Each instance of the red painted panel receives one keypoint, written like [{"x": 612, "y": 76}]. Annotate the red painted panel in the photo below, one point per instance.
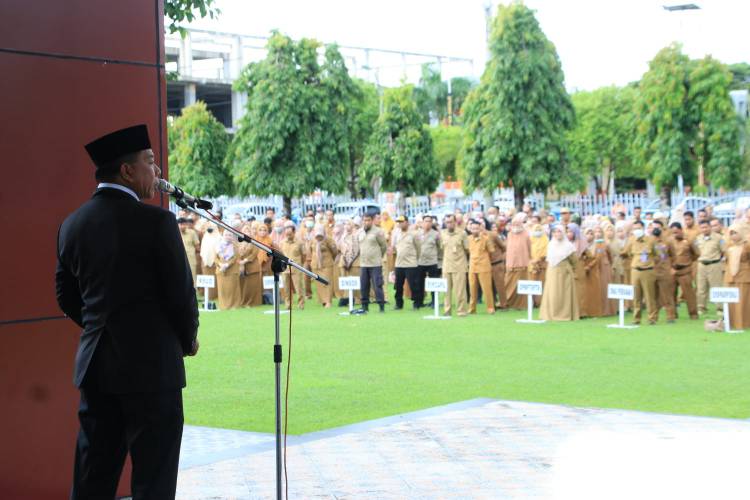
[
  {"x": 51, "y": 174},
  {"x": 111, "y": 29}
]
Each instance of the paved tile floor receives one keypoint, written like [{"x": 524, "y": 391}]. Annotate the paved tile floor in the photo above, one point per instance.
[{"x": 481, "y": 449}]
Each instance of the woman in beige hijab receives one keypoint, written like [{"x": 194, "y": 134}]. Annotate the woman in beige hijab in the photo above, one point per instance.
[
  {"x": 251, "y": 280},
  {"x": 228, "y": 272},
  {"x": 560, "y": 294},
  {"x": 592, "y": 304},
  {"x": 209, "y": 242},
  {"x": 324, "y": 252},
  {"x": 606, "y": 265},
  {"x": 738, "y": 275},
  {"x": 517, "y": 258},
  {"x": 349, "y": 247}
]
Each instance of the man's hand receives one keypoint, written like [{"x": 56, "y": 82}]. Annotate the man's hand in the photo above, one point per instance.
[{"x": 194, "y": 348}]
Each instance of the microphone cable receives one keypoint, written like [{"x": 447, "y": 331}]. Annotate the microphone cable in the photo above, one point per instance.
[{"x": 286, "y": 390}]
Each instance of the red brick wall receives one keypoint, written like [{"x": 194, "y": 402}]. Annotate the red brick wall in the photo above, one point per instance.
[{"x": 71, "y": 71}]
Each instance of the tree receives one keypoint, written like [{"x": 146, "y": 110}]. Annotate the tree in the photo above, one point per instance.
[
  {"x": 717, "y": 144},
  {"x": 179, "y": 11},
  {"x": 446, "y": 145},
  {"x": 460, "y": 88},
  {"x": 667, "y": 127},
  {"x": 740, "y": 76},
  {"x": 197, "y": 148},
  {"x": 399, "y": 152},
  {"x": 687, "y": 119},
  {"x": 289, "y": 142},
  {"x": 431, "y": 95},
  {"x": 517, "y": 118},
  {"x": 364, "y": 113},
  {"x": 600, "y": 145}
]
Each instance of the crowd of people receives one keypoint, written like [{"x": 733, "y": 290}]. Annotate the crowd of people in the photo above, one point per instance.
[{"x": 482, "y": 256}]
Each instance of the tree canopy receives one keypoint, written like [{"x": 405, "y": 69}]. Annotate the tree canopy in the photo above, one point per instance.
[
  {"x": 179, "y": 11},
  {"x": 517, "y": 118},
  {"x": 197, "y": 148}
]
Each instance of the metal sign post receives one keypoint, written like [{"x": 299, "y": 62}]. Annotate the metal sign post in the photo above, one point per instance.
[
  {"x": 726, "y": 296},
  {"x": 529, "y": 288},
  {"x": 205, "y": 281},
  {"x": 436, "y": 285},
  {"x": 350, "y": 283},
  {"x": 622, "y": 293},
  {"x": 268, "y": 284}
]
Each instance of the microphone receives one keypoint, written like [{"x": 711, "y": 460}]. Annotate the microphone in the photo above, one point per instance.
[{"x": 193, "y": 201}]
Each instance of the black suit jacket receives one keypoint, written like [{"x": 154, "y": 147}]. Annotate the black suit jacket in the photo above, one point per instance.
[{"x": 123, "y": 276}]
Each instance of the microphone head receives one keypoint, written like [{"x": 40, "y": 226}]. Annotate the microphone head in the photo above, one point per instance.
[{"x": 163, "y": 186}]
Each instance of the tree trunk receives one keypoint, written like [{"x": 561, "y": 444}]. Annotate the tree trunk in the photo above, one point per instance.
[
  {"x": 287, "y": 205},
  {"x": 519, "y": 195}
]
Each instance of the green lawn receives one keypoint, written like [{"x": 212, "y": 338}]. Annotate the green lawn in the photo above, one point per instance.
[{"x": 351, "y": 369}]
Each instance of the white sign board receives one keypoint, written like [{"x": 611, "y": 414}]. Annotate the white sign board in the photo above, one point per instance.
[
  {"x": 726, "y": 295},
  {"x": 436, "y": 285},
  {"x": 349, "y": 282},
  {"x": 526, "y": 287},
  {"x": 268, "y": 282},
  {"x": 618, "y": 291},
  {"x": 205, "y": 281}
]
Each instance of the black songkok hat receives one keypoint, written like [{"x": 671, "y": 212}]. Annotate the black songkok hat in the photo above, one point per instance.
[{"x": 117, "y": 144}]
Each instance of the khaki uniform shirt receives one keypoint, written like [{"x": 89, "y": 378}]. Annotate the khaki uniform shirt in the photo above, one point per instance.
[
  {"x": 710, "y": 248},
  {"x": 684, "y": 256},
  {"x": 328, "y": 252},
  {"x": 430, "y": 241},
  {"x": 664, "y": 257},
  {"x": 498, "y": 256},
  {"x": 480, "y": 248},
  {"x": 294, "y": 249},
  {"x": 372, "y": 247},
  {"x": 407, "y": 249},
  {"x": 642, "y": 252},
  {"x": 455, "y": 251},
  {"x": 692, "y": 232}
]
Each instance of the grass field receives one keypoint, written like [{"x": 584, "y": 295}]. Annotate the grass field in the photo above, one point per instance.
[{"x": 351, "y": 369}]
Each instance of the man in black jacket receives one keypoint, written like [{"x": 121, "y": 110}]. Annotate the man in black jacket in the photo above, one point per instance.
[{"x": 122, "y": 276}]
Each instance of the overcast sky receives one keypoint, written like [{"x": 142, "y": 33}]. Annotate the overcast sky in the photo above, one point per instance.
[{"x": 600, "y": 42}]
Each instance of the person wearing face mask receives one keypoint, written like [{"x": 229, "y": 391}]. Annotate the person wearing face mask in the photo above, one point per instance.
[
  {"x": 665, "y": 291},
  {"x": 406, "y": 248},
  {"x": 642, "y": 252},
  {"x": 293, "y": 248},
  {"x": 497, "y": 259},
  {"x": 349, "y": 258},
  {"x": 517, "y": 258},
  {"x": 560, "y": 300},
  {"x": 710, "y": 247},
  {"x": 606, "y": 265},
  {"x": 737, "y": 275},
  {"x": 324, "y": 252},
  {"x": 305, "y": 235},
  {"x": 228, "y": 272},
  {"x": 480, "y": 268},
  {"x": 538, "y": 263},
  {"x": 251, "y": 282},
  {"x": 455, "y": 266},
  {"x": 192, "y": 244},
  {"x": 592, "y": 303},
  {"x": 685, "y": 256}
]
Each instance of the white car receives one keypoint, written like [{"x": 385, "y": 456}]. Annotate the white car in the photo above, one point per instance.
[{"x": 349, "y": 210}]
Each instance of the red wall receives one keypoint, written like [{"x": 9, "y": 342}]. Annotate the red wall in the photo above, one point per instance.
[{"x": 71, "y": 71}]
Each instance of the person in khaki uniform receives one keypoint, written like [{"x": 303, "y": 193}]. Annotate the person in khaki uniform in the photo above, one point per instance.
[
  {"x": 349, "y": 259},
  {"x": 642, "y": 252},
  {"x": 665, "y": 289},
  {"x": 305, "y": 236},
  {"x": 738, "y": 276},
  {"x": 430, "y": 246},
  {"x": 324, "y": 252},
  {"x": 211, "y": 238},
  {"x": 228, "y": 272},
  {"x": 372, "y": 249},
  {"x": 684, "y": 255},
  {"x": 497, "y": 260},
  {"x": 455, "y": 265},
  {"x": 710, "y": 247},
  {"x": 293, "y": 248},
  {"x": 251, "y": 282},
  {"x": 517, "y": 258},
  {"x": 406, "y": 248},
  {"x": 480, "y": 267},
  {"x": 192, "y": 245}
]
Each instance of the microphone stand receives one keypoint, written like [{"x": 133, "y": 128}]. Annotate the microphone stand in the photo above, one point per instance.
[{"x": 279, "y": 263}]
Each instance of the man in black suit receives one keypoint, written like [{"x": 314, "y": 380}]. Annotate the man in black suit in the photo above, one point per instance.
[{"x": 122, "y": 276}]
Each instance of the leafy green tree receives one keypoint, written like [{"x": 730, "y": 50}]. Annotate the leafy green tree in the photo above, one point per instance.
[
  {"x": 399, "y": 152},
  {"x": 431, "y": 95},
  {"x": 290, "y": 140},
  {"x": 197, "y": 148},
  {"x": 516, "y": 119},
  {"x": 446, "y": 145},
  {"x": 717, "y": 144},
  {"x": 460, "y": 88},
  {"x": 740, "y": 76},
  {"x": 179, "y": 11},
  {"x": 667, "y": 126},
  {"x": 364, "y": 108},
  {"x": 600, "y": 145}
]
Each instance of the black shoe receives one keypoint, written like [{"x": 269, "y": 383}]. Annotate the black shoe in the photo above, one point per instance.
[
  {"x": 398, "y": 308},
  {"x": 343, "y": 302},
  {"x": 382, "y": 308}
]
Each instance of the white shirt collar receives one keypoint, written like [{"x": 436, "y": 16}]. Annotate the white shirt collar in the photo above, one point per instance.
[{"x": 120, "y": 187}]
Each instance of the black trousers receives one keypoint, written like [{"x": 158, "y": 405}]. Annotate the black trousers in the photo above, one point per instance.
[
  {"x": 368, "y": 275},
  {"x": 410, "y": 274},
  {"x": 426, "y": 272},
  {"x": 148, "y": 425}
]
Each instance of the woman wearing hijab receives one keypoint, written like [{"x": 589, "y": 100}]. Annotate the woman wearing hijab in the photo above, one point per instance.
[
  {"x": 251, "y": 281},
  {"x": 262, "y": 235},
  {"x": 560, "y": 295},
  {"x": 517, "y": 258},
  {"x": 228, "y": 272},
  {"x": 538, "y": 263},
  {"x": 573, "y": 232},
  {"x": 349, "y": 246},
  {"x": 606, "y": 265},
  {"x": 738, "y": 275},
  {"x": 324, "y": 252},
  {"x": 592, "y": 305},
  {"x": 209, "y": 243}
]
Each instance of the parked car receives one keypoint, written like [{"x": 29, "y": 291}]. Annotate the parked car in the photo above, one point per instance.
[
  {"x": 257, "y": 210},
  {"x": 727, "y": 211},
  {"x": 689, "y": 203},
  {"x": 349, "y": 210}
]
